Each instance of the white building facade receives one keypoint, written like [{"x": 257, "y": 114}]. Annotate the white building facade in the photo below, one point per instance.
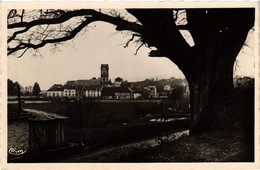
[
  {"x": 54, "y": 93},
  {"x": 68, "y": 92},
  {"x": 93, "y": 91}
]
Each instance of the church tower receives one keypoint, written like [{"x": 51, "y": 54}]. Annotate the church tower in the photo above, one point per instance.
[{"x": 104, "y": 72}]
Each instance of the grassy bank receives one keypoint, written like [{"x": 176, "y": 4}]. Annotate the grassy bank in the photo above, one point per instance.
[{"x": 212, "y": 146}]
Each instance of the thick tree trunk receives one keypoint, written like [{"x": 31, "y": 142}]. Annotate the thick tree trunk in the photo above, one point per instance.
[
  {"x": 206, "y": 89},
  {"x": 211, "y": 77},
  {"x": 218, "y": 34},
  {"x": 210, "y": 80}
]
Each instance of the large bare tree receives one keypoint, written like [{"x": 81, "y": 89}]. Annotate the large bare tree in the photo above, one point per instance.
[{"x": 218, "y": 36}]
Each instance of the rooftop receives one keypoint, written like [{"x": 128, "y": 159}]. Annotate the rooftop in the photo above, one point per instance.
[
  {"x": 89, "y": 82},
  {"x": 92, "y": 87},
  {"x": 56, "y": 87},
  {"x": 116, "y": 90}
]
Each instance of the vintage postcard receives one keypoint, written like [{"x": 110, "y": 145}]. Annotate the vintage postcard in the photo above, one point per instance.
[{"x": 120, "y": 85}]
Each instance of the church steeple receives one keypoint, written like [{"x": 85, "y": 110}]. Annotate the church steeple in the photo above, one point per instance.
[{"x": 104, "y": 72}]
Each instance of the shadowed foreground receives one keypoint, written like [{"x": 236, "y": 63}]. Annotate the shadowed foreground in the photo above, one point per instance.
[
  {"x": 233, "y": 141},
  {"x": 213, "y": 146}
]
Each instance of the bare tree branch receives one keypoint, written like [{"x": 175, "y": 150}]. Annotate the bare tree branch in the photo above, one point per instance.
[
  {"x": 61, "y": 17},
  {"x": 23, "y": 52},
  {"x": 44, "y": 42},
  {"x": 139, "y": 48},
  {"x": 133, "y": 36}
]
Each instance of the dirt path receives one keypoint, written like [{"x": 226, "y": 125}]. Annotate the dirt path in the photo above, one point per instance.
[{"x": 112, "y": 154}]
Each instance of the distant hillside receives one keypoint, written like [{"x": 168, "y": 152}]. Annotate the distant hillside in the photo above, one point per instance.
[{"x": 158, "y": 83}]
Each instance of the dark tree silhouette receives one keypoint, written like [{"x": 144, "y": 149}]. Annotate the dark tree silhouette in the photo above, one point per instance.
[
  {"x": 12, "y": 88},
  {"x": 36, "y": 89},
  {"x": 218, "y": 35},
  {"x": 177, "y": 94}
]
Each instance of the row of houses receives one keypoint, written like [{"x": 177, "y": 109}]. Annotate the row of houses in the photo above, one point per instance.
[
  {"x": 103, "y": 88},
  {"x": 92, "y": 91},
  {"x": 108, "y": 92},
  {"x": 95, "y": 89}
]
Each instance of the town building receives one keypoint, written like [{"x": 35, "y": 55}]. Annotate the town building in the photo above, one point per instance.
[
  {"x": 103, "y": 88},
  {"x": 119, "y": 93},
  {"x": 90, "y": 88},
  {"x": 153, "y": 90},
  {"x": 137, "y": 95},
  {"x": 104, "y": 73},
  {"x": 164, "y": 91},
  {"x": 92, "y": 91},
  {"x": 84, "y": 82},
  {"x": 55, "y": 91},
  {"x": 167, "y": 87},
  {"x": 70, "y": 91},
  {"x": 118, "y": 82}
]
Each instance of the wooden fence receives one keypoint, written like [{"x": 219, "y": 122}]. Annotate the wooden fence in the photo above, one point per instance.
[
  {"x": 45, "y": 135},
  {"x": 45, "y": 131}
]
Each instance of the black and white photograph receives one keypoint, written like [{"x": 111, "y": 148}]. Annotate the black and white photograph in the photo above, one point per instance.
[{"x": 132, "y": 84}]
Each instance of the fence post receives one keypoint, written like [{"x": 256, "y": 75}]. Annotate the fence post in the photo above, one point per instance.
[{"x": 19, "y": 98}]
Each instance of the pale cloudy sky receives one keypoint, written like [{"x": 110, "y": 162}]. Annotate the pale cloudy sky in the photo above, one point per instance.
[{"x": 103, "y": 45}]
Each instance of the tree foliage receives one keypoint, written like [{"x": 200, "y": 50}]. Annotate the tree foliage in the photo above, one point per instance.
[
  {"x": 12, "y": 88},
  {"x": 36, "y": 89},
  {"x": 177, "y": 93}
]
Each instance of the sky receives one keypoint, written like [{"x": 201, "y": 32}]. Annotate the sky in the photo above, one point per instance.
[{"x": 82, "y": 57}]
